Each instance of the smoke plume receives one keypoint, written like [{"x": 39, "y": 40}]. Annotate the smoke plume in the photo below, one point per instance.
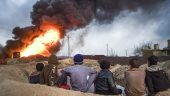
[{"x": 71, "y": 15}]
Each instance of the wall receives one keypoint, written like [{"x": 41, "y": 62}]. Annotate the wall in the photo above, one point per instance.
[{"x": 125, "y": 60}]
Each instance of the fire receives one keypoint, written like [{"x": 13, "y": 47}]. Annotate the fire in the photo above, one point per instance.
[{"x": 40, "y": 44}]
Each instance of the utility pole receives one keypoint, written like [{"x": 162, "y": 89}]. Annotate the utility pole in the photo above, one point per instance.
[
  {"x": 126, "y": 53},
  {"x": 107, "y": 48},
  {"x": 112, "y": 52},
  {"x": 68, "y": 38}
]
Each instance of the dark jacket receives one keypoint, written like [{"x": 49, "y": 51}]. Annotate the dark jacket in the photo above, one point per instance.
[
  {"x": 156, "y": 80},
  {"x": 105, "y": 83},
  {"x": 35, "y": 78},
  {"x": 62, "y": 79}
]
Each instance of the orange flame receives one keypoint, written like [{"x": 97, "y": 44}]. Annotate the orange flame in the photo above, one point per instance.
[{"x": 40, "y": 44}]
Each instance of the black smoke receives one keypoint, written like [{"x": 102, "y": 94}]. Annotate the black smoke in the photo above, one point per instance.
[
  {"x": 72, "y": 14},
  {"x": 78, "y": 13},
  {"x": 22, "y": 38}
]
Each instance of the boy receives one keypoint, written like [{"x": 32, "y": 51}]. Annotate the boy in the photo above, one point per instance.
[
  {"x": 134, "y": 80},
  {"x": 104, "y": 82},
  {"x": 35, "y": 76}
]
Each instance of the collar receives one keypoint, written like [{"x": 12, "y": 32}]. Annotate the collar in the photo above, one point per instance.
[
  {"x": 134, "y": 69},
  {"x": 78, "y": 63},
  {"x": 154, "y": 68}
]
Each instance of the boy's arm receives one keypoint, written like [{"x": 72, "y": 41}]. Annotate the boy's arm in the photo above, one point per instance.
[
  {"x": 112, "y": 84},
  {"x": 66, "y": 71},
  {"x": 42, "y": 81},
  {"x": 149, "y": 84}
]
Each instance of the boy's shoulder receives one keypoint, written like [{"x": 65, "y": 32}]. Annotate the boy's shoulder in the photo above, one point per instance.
[
  {"x": 35, "y": 74},
  {"x": 107, "y": 72}
]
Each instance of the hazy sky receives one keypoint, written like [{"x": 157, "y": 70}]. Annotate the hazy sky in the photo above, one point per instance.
[
  {"x": 128, "y": 29},
  {"x": 13, "y": 13}
]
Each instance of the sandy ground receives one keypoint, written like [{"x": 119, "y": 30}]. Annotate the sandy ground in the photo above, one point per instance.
[
  {"x": 14, "y": 82},
  {"x": 14, "y": 79},
  {"x": 14, "y": 88}
]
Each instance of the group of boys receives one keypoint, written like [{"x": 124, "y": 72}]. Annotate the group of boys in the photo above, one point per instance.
[{"x": 137, "y": 82}]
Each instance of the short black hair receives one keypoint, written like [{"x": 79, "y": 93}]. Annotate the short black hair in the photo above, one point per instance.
[
  {"x": 134, "y": 64},
  {"x": 153, "y": 60},
  {"x": 104, "y": 64},
  {"x": 39, "y": 66}
]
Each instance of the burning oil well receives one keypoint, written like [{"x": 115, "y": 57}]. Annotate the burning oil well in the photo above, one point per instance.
[{"x": 51, "y": 19}]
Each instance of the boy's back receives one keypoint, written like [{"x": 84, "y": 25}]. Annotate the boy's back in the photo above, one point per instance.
[
  {"x": 35, "y": 78},
  {"x": 78, "y": 75},
  {"x": 135, "y": 82}
]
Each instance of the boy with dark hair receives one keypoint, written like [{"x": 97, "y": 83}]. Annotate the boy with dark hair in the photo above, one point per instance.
[
  {"x": 134, "y": 63},
  {"x": 156, "y": 79},
  {"x": 105, "y": 82},
  {"x": 39, "y": 67},
  {"x": 104, "y": 64},
  {"x": 134, "y": 80},
  {"x": 35, "y": 76}
]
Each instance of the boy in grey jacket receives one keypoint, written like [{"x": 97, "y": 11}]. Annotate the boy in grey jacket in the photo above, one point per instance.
[{"x": 81, "y": 77}]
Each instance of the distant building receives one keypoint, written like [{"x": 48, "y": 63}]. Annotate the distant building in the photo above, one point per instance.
[{"x": 157, "y": 51}]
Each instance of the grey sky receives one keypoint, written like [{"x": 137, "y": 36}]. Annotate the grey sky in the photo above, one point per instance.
[
  {"x": 128, "y": 30},
  {"x": 13, "y": 13}
]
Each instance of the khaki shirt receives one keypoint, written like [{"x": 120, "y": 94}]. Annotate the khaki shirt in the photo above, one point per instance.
[
  {"x": 45, "y": 75},
  {"x": 135, "y": 82}
]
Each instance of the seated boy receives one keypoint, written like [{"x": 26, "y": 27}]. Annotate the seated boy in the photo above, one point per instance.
[
  {"x": 104, "y": 82},
  {"x": 134, "y": 80},
  {"x": 156, "y": 79},
  {"x": 35, "y": 76}
]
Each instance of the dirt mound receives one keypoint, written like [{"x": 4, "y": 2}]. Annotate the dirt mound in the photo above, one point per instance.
[
  {"x": 166, "y": 66},
  {"x": 119, "y": 73},
  {"x": 14, "y": 82},
  {"x": 16, "y": 72},
  {"x": 14, "y": 88},
  {"x": 87, "y": 62},
  {"x": 14, "y": 79},
  {"x": 164, "y": 93}
]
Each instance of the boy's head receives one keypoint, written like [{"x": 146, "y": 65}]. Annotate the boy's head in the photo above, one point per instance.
[
  {"x": 53, "y": 60},
  {"x": 134, "y": 63},
  {"x": 39, "y": 66},
  {"x": 104, "y": 64},
  {"x": 78, "y": 59},
  {"x": 152, "y": 60}
]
